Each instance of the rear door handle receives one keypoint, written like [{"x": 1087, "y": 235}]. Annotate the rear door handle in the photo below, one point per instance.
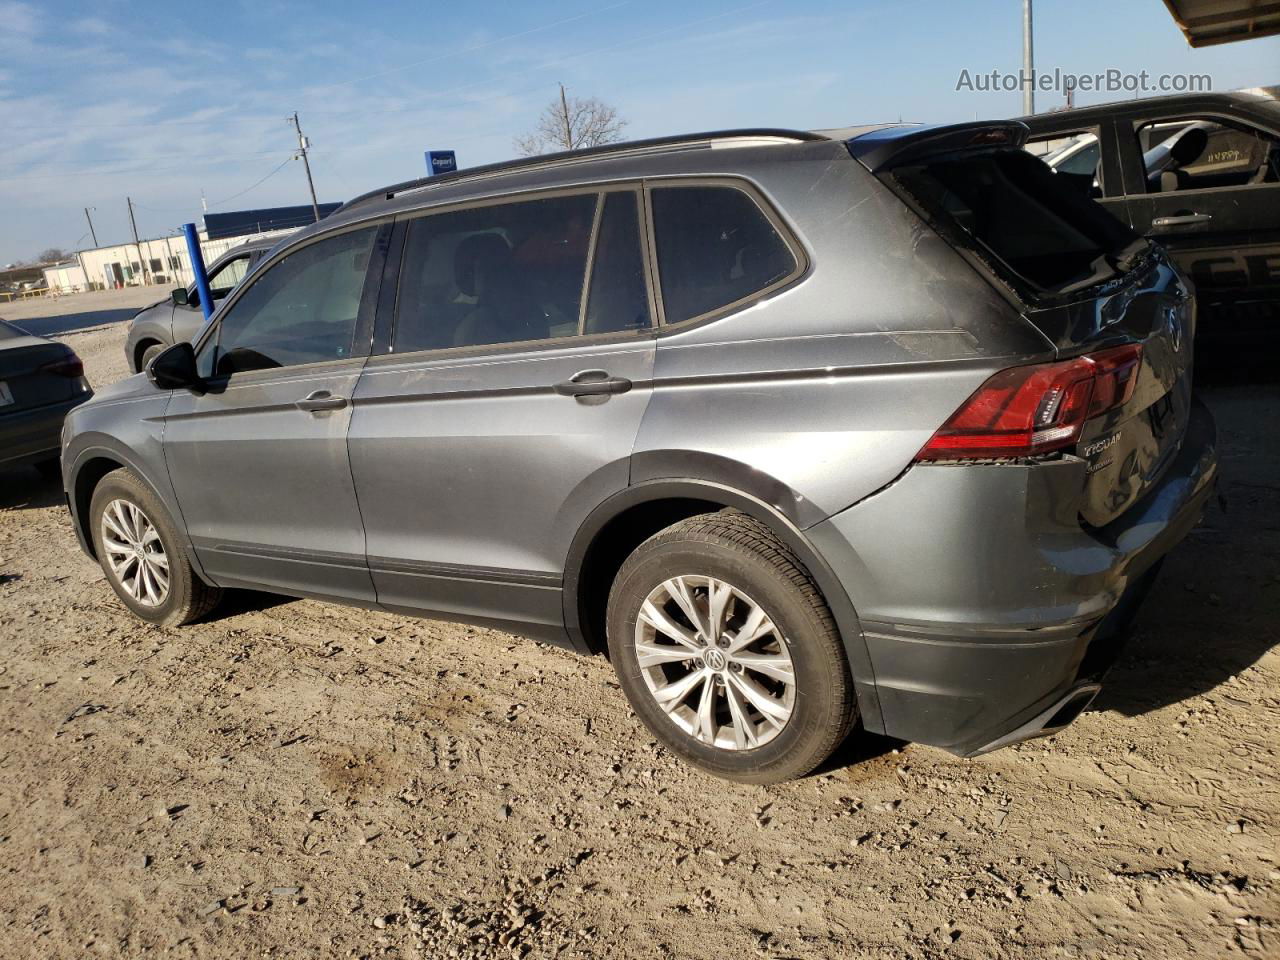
[
  {"x": 1181, "y": 220},
  {"x": 592, "y": 383},
  {"x": 320, "y": 400}
]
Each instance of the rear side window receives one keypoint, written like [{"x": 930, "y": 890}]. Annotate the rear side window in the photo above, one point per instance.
[
  {"x": 1011, "y": 208},
  {"x": 495, "y": 274},
  {"x": 618, "y": 299},
  {"x": 1075, "y": 157},
  {"x": 715, "y": 247}
]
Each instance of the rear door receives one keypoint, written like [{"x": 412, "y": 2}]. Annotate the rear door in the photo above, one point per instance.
[
  {"x": 517, "y": 367},
  {"x": 1217, "y": 211},
  {"x": 259, "y": 459}
]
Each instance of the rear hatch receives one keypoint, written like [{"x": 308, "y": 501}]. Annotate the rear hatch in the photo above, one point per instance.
[
  {"x": 35, "y": 372},
  {"x": 1079, "y": 276}
]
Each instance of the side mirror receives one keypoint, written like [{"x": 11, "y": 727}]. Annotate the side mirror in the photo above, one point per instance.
[
  {"x": 175, "y": 368},
  {"x": 179, "y": 297}
]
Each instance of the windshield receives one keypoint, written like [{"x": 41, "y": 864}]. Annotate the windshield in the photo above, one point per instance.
[{"x": 1006, "y": 206}]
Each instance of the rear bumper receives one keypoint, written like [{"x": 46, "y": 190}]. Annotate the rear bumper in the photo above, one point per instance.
[
  {"x": 986, "y": 607},
  {"x": 30, "y": 436}
]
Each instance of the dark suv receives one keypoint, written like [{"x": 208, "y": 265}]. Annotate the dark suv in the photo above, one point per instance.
[
  {"x": 800, "y": 428},
  {"x": 1199, "y": 174}
]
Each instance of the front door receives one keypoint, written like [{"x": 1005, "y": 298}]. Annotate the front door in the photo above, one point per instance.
[
  {"x": 507, "y": 406},
  {"x": 1209, "y": 191},
  {"x": 259, "y": 461}
]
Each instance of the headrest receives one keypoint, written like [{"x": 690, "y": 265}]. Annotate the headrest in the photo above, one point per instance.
[
  {"x": 487, "y": 249},
  {"x": 1189, "y": 146}
]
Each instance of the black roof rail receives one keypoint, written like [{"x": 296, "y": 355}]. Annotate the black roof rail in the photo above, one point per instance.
[{"x": 590, "y": 153}]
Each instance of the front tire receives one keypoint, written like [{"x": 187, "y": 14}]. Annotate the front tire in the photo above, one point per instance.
[
  {"x": 142, "y": 555},
  {"x": 150, "y": 354},
  {"x": 727, "y": 651}
]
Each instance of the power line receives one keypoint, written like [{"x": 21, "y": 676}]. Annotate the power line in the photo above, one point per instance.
[{"x": 218, "y": 203}]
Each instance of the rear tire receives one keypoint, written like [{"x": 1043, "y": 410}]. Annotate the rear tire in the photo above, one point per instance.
[
  {"x": 755, "y": 711},
  {"x": 142, "y": 555}
]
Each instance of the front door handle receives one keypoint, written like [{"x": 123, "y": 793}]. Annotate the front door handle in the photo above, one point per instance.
[
  {"x": 1181, "y": 220},
  {"x": 592, "y": 383},
  {"x": 319, "y": 401}
]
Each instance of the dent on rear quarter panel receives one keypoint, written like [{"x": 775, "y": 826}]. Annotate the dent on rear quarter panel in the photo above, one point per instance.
[{"x": 821, "y": 394}]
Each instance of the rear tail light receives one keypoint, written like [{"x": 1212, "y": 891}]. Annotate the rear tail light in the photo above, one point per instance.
[
  {"x": 1024, "y": 411},
  {"x": 68, "y": 366}
]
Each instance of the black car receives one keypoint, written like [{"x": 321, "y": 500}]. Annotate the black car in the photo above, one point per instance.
[
  {"x": 1200, "y": 174},
  {"x": 40, "y": 380}
]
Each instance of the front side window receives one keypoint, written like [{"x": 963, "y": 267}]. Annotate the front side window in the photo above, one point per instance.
[
  {"x": 715, "y": 247},
  {"x": 504, "y": 273},
  {"x": 302, "y": 309},
  {"x": 1197, "y": 154}
]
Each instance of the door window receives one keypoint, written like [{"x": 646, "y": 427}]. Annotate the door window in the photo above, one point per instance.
[
  {"x": 715, "y": 248},
  {"x": 223, "y": 280},
  {"x": 1197, "y": 154},
  {"x": 1075, "y": 157},
  {"x": 504, "y": 273},
  {"x": 303, "y": 309},
  {"x": 618, "y": 299}
]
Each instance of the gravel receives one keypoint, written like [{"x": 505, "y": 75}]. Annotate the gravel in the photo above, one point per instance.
[{"x": 1147, "y": 828}]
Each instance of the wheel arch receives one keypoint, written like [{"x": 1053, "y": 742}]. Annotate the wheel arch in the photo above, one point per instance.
[
  {"x": 90, "y": 465},
  {"x": 141, "y": 347},
  {"x": 626, "y": 519}
]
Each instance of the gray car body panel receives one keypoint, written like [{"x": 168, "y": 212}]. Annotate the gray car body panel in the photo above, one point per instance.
[
  {"x": 465, "y": 487},
  {"x": 166, "y": 323}
]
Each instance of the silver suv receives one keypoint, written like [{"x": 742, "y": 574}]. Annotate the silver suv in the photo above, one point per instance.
[
  {"x": 801, "y": 429},
  {"x": 160, "y": 325}
]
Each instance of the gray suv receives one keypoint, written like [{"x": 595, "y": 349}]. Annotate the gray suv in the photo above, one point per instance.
[
  {"x": 801, "y": 429},
  {"x": 180, "y": 317}
]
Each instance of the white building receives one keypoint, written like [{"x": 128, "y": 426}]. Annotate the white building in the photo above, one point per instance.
[{"x": 162, "y": 262}]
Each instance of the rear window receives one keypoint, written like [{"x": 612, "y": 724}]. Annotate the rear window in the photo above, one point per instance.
[
  {"x": 1015, "y": 213},
  {"x": 715, "y": 247}
]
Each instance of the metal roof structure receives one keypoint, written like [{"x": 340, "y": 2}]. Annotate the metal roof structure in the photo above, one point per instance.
[{"x": 1209, "y": 22}]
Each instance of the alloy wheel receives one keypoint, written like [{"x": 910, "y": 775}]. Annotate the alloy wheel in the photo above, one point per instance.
[
  {"x": 715, "y": 663},
  {"x": 135, "y": 553}
]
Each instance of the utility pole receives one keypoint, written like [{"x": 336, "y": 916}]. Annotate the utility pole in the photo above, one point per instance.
[
  {"x": 302, "y": 149},
  {"x": 564, "y": 111},
  {"x": 90, "y": 219},
  {"x": 1028, "y": 63},
  {"x": 142, "y": 261}
]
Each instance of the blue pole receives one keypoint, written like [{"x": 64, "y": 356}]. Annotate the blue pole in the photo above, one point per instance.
[{"x": 197, "y": 268}]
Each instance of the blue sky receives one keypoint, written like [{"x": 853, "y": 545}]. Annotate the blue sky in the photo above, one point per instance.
[{"x": 103, "y": 100}]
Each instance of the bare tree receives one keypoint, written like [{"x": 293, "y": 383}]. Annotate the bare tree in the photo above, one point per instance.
[
  {"x": 52, "y": 255},
  {"x": 570, "y": 123}
]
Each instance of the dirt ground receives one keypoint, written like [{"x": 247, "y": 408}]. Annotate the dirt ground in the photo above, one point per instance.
[{"x": 299, "y": 779}]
